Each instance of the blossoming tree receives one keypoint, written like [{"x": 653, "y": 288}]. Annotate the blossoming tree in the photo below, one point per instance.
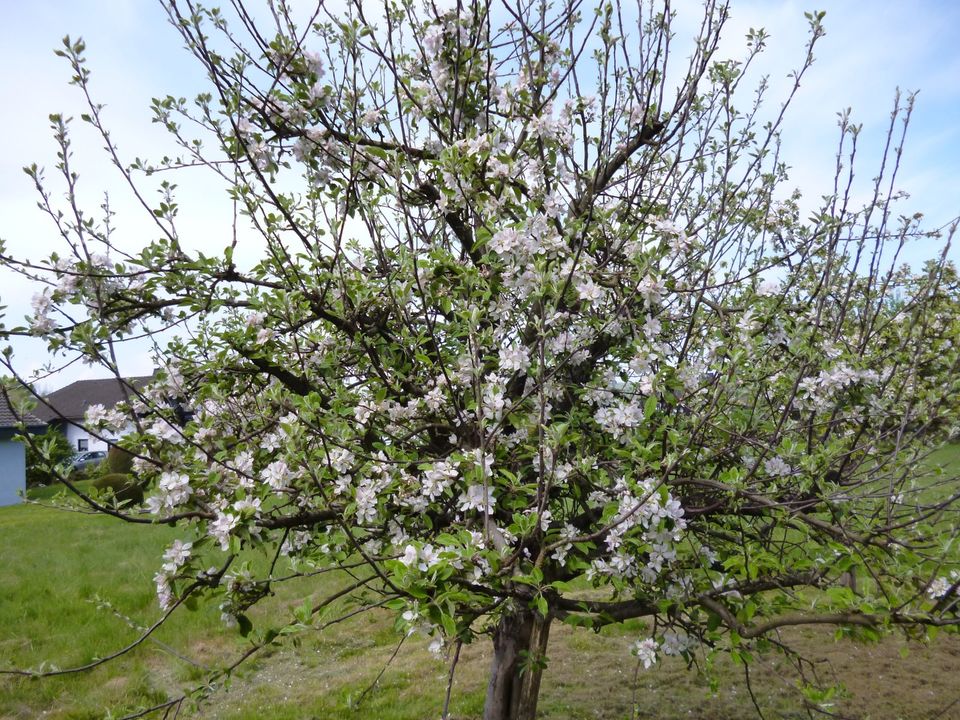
[{"x": 537, "y": 335}]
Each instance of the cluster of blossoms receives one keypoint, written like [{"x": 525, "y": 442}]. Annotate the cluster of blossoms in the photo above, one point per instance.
[
  {"x": 173, "y": 490},
  {"x": 70, "y": 279},
  {"x": 820, "y": 392},
  {"x": 100, "y": 418},
  {"x": 42, "y": 304},
  {"x": 619, "y": 418},
  {"x": 175, "y": 557},
  {"x": 659, "y": 516},
  {"x": 646, "y": 652},
  {"x": 777, "y": 467},
  {"x": 943, "y": 584},
  {"x": 673, "y": 642}
]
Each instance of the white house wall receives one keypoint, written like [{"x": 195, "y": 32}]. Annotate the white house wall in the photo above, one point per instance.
[{"x": 75, "y": 434}]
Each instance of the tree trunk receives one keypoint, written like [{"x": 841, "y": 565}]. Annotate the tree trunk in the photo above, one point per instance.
[{"x": 519, "y": 649}]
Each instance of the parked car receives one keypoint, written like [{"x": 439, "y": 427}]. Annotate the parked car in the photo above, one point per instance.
[{"x": 86, "y": 459}]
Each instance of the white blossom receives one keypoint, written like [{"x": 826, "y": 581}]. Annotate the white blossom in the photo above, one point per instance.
[
  {"x": 276, "y": 474},
  {"x": 514, "y": 357},
  {"x": 478, "y": 497},
  {"x": 646, "y": 652}
]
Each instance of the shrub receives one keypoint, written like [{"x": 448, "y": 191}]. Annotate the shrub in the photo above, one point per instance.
[
  {"x": 125, "y": 489},
  {"x": 58, "y": 450},
  {"x": 119, "y": 461}
]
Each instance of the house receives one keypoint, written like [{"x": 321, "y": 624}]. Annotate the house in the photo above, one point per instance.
[
  {"x": 13, "y": 457},
  {"x": 65, "y": 408}
]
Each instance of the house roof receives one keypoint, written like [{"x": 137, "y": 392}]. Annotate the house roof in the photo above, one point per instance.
[
  {"x": 9, "y": 417},
  {"x": 71, "y": 402}
]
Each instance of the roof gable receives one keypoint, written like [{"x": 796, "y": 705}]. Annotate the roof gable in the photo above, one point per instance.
[{"x": 71, "y": 402}]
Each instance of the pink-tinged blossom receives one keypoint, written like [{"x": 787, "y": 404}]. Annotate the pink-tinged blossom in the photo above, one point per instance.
[
  {"x": 221, "y": 526},
  {"x": 620, "y": 418},
  {"x": 434, "y": 399},
  {"x": 428, "y": 558},
  {"x": 646, "y": 652},
  {"x": 588, "y": 290},
  {"x": 342, "y": 485},
  {"x": 776, "y": 467},
  {"x": 746, "y": 325},
  {"x": 769, "y": 288},
  {"x": 651, "y": 290},
  {"x": 176, "y": 556},
  {"x": 436, "y": 648},
  {"x": 652, "y": 328},
  {"x": 560, "y": 553},
  {"x": 41, "y": 303},
  {"x": 248, "y": 506},
  {"x": 677, "y": 643},
  {"x": 552, "y": 207},
  {"x": 362, "y": 413},
  {"x": 505, "y": 241},
  {"x": 165, "y": 431},
  {"x": 667, "y": 227},
  {"x": 483, "y": 461},
  {"x": 340, "y": 459},
  {"x": 317, "y": 96},
  {"x": 423, "y": 559},
  {"x": 254, "y": 319},
  {"x": 524, "y": 282},
  {"x": 164, "y": 591},
  {"x": 295, "y": 541},
  {"x": 493, "y": 399},
  {"x": 243, "y": 463},
  {"x": 315, "y": 63},
  {"x": 172, "y": 490},
  {"x": 498, "y": 169},
  {"x": 100, "y": 261}
]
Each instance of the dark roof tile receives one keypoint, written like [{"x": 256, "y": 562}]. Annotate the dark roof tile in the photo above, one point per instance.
[
  {"x": 10, "y": 417},
  {"x": 71, "y": 402}
]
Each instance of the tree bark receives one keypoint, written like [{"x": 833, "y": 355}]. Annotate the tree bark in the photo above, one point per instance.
[{"x": 519, "y": 650}]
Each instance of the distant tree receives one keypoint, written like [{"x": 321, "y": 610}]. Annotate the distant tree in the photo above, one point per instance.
[{"x": 538, "y": 334}]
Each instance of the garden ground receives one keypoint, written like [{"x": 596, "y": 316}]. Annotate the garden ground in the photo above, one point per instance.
[{"x": 56, "y": 565}]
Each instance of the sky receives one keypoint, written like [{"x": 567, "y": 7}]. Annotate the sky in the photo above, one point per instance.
[{"x": 871, "y": 49}]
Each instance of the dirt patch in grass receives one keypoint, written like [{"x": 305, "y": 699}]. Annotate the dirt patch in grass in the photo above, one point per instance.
[{"x": 592, "y": 677}]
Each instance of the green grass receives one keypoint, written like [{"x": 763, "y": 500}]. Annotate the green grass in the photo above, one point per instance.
[
  {"x": 56, "y": 490},
  {"x": 55, "y": 566},
  {"x": 55, "y": 563}
]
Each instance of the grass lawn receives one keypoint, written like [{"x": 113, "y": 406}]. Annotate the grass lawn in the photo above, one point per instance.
[{"x": 56, "y": 563}]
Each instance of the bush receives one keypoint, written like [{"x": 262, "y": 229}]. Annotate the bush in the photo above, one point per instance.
[
  {"x": 58, "y": 450},
  {"x": 119, "y": 461},
  {"x": 125, "y": 489}
]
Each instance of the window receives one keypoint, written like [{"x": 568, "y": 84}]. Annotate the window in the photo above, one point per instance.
[{"x": 82, "y": 444}]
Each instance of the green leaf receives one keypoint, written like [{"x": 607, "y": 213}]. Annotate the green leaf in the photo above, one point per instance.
[
  {"x": 649, "y": 407},
  {"x": 244, "y": 624}
]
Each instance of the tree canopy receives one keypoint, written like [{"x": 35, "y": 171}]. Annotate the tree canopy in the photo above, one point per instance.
[{"x": 539, "y": 332}]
